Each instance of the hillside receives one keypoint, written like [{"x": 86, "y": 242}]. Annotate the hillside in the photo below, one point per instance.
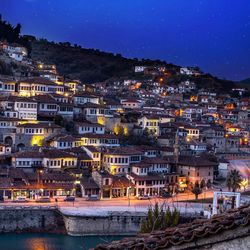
[
  {"x": 244, "y": 83},
  {"x": 88, "y": 65},
  {"x": 92, "y": 65}
]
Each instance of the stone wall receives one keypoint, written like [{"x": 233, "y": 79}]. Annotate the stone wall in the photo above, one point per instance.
[
  {"x": 113, "y": 224},
  {"x": 31, "y": 220}
]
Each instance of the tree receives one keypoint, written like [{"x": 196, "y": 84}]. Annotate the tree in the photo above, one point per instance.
[
  {"x": 209, "y": 184},
  {"x": 196, "y": 190},
  {"x": 58, "y": 120},
  {"x": 233, "y": 180},
  {"x": 202, "y": 184}
]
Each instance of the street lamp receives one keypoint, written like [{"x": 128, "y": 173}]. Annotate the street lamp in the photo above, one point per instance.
[
  {"x": 38, "y": 178},
  {"x": 129, "y": 192}
]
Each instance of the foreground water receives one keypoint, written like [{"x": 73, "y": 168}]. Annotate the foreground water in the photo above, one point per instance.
[{"x": 51, "y": 241}]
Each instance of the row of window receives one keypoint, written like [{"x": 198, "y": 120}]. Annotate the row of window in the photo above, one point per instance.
[
  {"x": 28, "y": 115},
  {"x": 121, "y": 170},
  {"x": 55, "y": 89},
  {"x": 115, "y": 159},
  {"x": 32, "y": 131},
  {"x": 152, "y": 124},
  {"x": 157, "y": 182},
  {"x": 66, "y": 109},
  {"x": 58, "y": 163},
  {"x": 49, "y": 106},
  {"x": 27, "y": 105},
  {"x": 7, "y": 86},
  {"x": 65, "y": 144},
  {"x": 91, "y": 129},
  {"x": 193, "y": 132},
  {"x": 23, "y": 163}
]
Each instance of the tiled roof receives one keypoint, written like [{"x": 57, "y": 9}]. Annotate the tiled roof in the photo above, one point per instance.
[
  {"x": 9, "y": 119},
  {"x": 99, "y": 136},
  {"x": 13, "y": 98},
  {"x": 91, "y": 105},
  {"x": 28, "y": 154},
  {"x": 38, "y": 80},
  {"x": 88, "y": 124},
  {"x": 201, "y": 160},
  {"x": 44, "y": 99},
  {"x": 65, "y": 138},
  {"x": 174, "y": 237},
  {"x": 89, "y": 183},
  {"x": 121, "y": 182},
  {"x": 149, "y": 177},
  {"x": 38, "y": 125},
  {"x": 85, "y": 94},
  {"x": 123, "y": 151},
  {"x": 56, "y": 153}
]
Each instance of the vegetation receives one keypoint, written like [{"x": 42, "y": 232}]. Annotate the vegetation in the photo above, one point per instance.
[
  {"x": 197, "y": 190},
  {"x": 159, "y": 219},
  {"x": 233, "y": 180},
  {"x": 68, "y": 125},
  {"x": 132, "y": 139},
  {"x": 88, "y": 65},
  {"x": 11, "y": 34}
]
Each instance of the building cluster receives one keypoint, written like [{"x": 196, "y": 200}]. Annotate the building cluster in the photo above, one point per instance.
[{"x": 114, "y": 139}]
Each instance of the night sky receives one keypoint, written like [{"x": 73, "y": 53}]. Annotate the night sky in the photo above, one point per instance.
[{"x": 211, "y": 34}]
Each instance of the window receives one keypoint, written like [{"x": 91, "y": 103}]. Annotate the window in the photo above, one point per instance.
[{"x": 106, "y": 181}]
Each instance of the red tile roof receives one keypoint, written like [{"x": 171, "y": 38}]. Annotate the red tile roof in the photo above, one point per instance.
[{"x": 199, "y": 229}]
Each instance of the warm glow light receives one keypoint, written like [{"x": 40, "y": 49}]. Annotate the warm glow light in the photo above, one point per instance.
[
  {"x": 28, "y": 121},
  {"x": 244, "y": 183},
  {"x": 193, "y": 98},
  {"x": 125, "y": 131},
  {"x": 101, "y": 120},
  {"x": 37, "y": 140}
]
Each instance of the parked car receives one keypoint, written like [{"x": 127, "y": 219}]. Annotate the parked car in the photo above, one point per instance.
[
  {"x": 143, "y": 197},
  {"x": 93, "y": 198},
  {"x": 21, "y": 199},
  {"x": 43, "y": 199},
  {"x": 166, "y": 195},
  {"x": 69, "y": 198}
]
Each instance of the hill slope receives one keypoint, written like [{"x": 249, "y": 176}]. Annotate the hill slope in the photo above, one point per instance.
[
  {"x": 92, "y": 65},
  {"x": 89, "y": 65}
]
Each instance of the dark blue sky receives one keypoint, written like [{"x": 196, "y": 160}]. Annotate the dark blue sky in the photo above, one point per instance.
[{"x": 212, "y": 34}]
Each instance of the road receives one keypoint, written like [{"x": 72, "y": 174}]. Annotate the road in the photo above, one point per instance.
[
  {"x": 132, "y": 204},
  {"x": 122, "y": 204}
]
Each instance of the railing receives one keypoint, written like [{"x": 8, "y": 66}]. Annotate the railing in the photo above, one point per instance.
[{"x": 19, "y": 207}]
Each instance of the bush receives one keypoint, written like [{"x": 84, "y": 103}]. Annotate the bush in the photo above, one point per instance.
[{"x": 159, "y": 219}]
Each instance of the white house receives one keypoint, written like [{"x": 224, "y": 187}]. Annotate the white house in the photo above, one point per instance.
[{"x": 87, "y": 127}]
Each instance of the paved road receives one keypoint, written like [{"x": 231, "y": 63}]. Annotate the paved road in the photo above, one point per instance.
[
  {"x": 178, "y": 201},
  {"x": 123, "y": 204}
]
